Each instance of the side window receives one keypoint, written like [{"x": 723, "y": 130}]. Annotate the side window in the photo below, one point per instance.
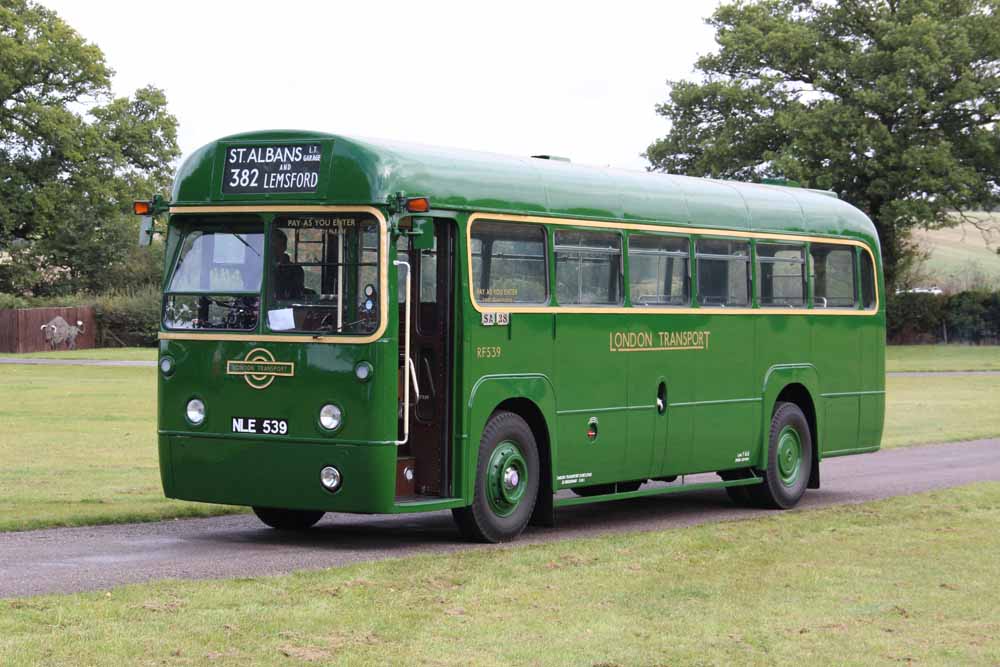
[
  {"x": 868, "y": 284},
  {"x": 658, "y": 270},
  {"x": 723, "y": 267},
  {"x": 832, "y": 275},
  {"x": 588, "y": 267},
  {"x": 508, "y": 263},
  {"x": 781, "y": 272}
]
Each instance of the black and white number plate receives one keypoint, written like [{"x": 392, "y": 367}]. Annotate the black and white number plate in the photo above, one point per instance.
[{"x": 260, "y": 425}]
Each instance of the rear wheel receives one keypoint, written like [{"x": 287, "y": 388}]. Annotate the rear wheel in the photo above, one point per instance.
[
  {"x": 789, "y": 460},
  {"x": 281, "y": 519},
  {"x": 507, "y": 480}
]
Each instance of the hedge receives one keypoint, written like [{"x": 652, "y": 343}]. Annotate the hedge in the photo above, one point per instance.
[{"x": 966, "y": 317}]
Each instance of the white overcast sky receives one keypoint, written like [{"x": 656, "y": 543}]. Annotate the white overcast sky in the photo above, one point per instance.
[{"x": 576, "y": 79}]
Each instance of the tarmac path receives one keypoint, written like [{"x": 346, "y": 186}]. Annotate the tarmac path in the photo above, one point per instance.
[{"x": 63, "y": 560}]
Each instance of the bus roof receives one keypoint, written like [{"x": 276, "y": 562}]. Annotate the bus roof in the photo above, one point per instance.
[{"x": 369, "y": 171}]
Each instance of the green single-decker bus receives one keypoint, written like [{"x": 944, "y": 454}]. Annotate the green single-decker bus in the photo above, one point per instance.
[{"x": 357, "y": 325}]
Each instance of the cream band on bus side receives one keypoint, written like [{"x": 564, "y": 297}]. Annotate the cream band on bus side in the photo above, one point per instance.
[
  {"x": 259, "y": 368},
  {"x": 657, "y": 341}
]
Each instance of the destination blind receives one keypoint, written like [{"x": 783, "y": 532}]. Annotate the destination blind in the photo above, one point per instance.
[{"x": 272, "y": 168}]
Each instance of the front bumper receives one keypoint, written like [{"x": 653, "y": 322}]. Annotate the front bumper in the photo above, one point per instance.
[{"x": 271, "y": 473}]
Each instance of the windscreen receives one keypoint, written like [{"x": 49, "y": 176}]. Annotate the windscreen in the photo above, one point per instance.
[
  {"x": 216, "y": 279},
  {"x": 323, "y": 274}
]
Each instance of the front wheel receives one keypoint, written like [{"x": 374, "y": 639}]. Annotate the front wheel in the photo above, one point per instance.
[
  {"x": 789, "y": 460},
  {"x": 507, "y": 478},
  {"x": 281, "y": 519}
]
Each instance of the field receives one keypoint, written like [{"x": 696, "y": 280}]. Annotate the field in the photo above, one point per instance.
[
  {"x": 79, "y": 444},
  {"x": 910, "y": 580},
  {"x": 962, "y": 257},
  {"x": 942, "y": 358}
]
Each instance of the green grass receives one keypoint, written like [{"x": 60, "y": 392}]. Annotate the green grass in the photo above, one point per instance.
[
  {"x": 962, "y": 257},
  {"x": 109, "y": 353},
  {"x": 910, "y": 580},
  {"x": 920, "y": 410},
  {"x": 78, "y": 446},
  {"x": 942, "y": 358}
]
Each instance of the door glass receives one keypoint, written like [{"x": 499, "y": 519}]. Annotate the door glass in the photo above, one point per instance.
[{"x": 427, "y": 317}]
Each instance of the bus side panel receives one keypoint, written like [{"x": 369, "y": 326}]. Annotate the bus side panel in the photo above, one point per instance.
[
  {"x": 726, "y": 394},
  {"x": 873, "y": 377},
  {"x": 590, "y": 382},
  {"x": 501, "y": 363},
  {"x": 782, "y": 341},
  {"x": 837, "y": 347}
]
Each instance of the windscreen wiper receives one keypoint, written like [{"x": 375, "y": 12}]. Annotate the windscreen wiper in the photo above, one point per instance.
[{"x": 243, "y": 241}]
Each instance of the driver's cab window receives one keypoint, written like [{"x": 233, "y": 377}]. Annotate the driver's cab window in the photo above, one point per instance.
[{"x": 323, "y": 274}]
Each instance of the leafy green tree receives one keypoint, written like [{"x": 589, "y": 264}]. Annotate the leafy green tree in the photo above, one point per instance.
[
  {"x": 891, "y": 103},
  {"x": 72, "y": 157}
]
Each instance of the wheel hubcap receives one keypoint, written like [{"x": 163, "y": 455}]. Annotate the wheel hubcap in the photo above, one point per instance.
[
  {"x": 506, "y": 478},
  {"x": 789, "y": 455}
]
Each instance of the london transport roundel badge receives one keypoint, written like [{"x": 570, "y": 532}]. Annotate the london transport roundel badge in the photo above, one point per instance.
[{"x": 259, "y": 368}]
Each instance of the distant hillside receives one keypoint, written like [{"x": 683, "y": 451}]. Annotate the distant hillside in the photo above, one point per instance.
[{"x": 961, "y": 257}]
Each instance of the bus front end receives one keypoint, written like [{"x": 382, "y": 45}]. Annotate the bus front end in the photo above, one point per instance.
[{"x": 277, "y": 384}]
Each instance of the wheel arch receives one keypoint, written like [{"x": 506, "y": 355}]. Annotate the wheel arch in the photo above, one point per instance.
[
  {"x": 532, "y": 398},
  {"x": 532, "y": 414},
  {"x": 798, "y": 384}
]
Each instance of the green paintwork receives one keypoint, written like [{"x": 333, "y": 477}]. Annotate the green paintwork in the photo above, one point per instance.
[
  {"x": 789, "y": 456},
  {"x": 506, "y": 478},
  {"x": 719, "y": 400}
]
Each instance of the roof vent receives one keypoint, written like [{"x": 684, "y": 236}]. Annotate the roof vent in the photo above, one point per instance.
[{"x": 557, "y": 158}]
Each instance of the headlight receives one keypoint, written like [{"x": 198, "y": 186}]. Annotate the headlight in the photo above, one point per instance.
[
  {"x": 167, "y": 365},
  {"x": 195, "y": 411},
  {"x": 330, "y": 478},
  {"x": 330, "y": 417},
  {"x": 363, "y": 371}
]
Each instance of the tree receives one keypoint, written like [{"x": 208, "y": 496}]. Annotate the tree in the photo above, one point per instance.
[
  {"x": 72, "y": 156},
  {"x": 893, "y": 104}
]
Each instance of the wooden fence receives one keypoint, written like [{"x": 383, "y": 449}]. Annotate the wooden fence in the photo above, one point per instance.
[{"x": 21, "y": 329}]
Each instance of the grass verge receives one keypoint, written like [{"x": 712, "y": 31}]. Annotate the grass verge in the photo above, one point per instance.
[
  {"x": 78, "y": 446},
  {"x": 906, "y": 580},
  {"x": 104, "y": 353},
  {"x": 942, "y": 358},
  {"x": 921, "y": 410}
]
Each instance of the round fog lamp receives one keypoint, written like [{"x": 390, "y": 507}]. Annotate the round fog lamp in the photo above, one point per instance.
[
  {"x": 166, "y": 365},
  {"x": 330, "y": 478},
  {"x": 330, "y": 417},
  {"x": 363, "y": 371},
  {"x": 195, "y": 411}
]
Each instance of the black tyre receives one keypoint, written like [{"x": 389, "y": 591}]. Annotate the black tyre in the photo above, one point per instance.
[
  {"x": 740, "y": 495},
  {"x": 288, "y": 519},
  {"x": 602, "y": 489},
  {"x": 789, "y": 460},
  {"x": 507, "y": 480}
]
